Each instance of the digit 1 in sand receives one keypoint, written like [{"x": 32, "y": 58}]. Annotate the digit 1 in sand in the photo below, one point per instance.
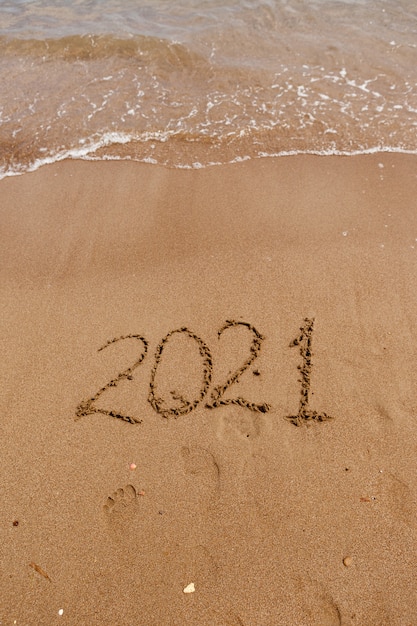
[{"x": 304, "y": 340}]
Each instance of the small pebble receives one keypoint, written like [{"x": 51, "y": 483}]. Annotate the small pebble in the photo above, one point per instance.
[
  {"x": 132, "y": 466},
  {"x": 189, "y": 588},
  {"x": 347, "y": 561},
  {"x": 16, "y": 522},
  {"x": 61, "y": 612}
]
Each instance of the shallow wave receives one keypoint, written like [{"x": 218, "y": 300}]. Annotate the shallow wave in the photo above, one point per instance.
[
  {"x": 90, "y": 47},
  {"x": 207, "y": 83}
]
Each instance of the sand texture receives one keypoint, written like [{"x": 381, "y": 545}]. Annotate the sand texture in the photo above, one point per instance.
[{"x": 208, "y": 384}]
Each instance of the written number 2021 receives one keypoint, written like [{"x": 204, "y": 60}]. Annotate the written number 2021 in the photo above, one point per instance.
[{"x": 216, "y": 397}]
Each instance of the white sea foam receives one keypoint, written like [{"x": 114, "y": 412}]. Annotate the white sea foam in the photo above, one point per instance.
[{"x": 87, "y": 154}]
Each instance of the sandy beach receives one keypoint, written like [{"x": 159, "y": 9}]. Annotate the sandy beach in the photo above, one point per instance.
[{"x": 157, "y": 463}]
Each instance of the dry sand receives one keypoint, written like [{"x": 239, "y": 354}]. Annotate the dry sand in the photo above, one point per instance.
[{"x": 273, "y": 523}]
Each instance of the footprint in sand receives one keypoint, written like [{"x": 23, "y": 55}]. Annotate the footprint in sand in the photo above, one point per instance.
[
  {"x": 123, "y": 520},
  {"x": 319, "y": 605},
  {"x": 246, "y": 425},
  {"x": 200, "y": 462},
  {"x": 121, "y": 502},
  {"x": 399, "y": 498},
  {"x": 192, "y": 563},
  {"x": 134, "y": 524},
  {"x": 326, "y": 613},
  {"x": 204, "y": 475},
  {"x": 121, "y": 510}
]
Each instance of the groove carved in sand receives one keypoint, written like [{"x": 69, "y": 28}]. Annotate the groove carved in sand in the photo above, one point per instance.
[
  {"x": 218, "y": 392},
  {"x": 181, "y": 405},
  {"x": 186, "y": 406},
  {"x": 87, "y": 407},
  {"x": 305, "y": 414}
]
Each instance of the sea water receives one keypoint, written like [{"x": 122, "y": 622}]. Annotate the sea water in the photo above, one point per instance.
[{"x": 200, "y": 82}]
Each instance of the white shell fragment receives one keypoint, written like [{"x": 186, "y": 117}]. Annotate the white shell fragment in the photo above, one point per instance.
[{"x": 189, "y": 588}]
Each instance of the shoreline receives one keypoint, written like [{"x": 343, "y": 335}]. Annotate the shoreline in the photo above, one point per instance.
[
  {"x": 103, "y": 265},
  {"x": 81, "y": 154}
]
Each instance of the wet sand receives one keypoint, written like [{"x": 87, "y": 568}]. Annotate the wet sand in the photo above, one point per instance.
[{"x": 160, "y": 428}]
